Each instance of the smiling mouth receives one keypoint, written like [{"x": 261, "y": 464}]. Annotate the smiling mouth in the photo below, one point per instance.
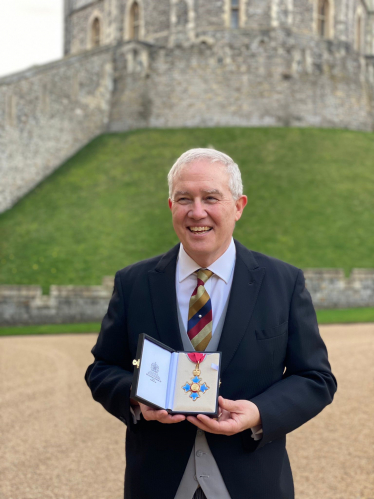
[{"x": 199, "y": 230}]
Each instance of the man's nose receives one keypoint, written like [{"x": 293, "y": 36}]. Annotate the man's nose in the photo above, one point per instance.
[{"x": 197, "y": 211}]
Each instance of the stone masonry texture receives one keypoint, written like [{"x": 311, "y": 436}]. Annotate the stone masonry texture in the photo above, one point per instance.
[
  {"x": 189, "y": 68},
  {"x": 47, "y": 114},
  {"x": 25, "y": 305}
]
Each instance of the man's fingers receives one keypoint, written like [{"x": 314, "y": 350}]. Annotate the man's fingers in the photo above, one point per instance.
[
  {"x": 168, "y": 419},
  {"x": 198, "y": 423},
  {"x": 178, "y": 418},
  {"x": 147, "y": 412},
  {"x": 152, "y": 414},
  {"x": 162, "y": 416},
  {"x": 225, "y": 427},
  {"x": 229, "y": 405},
  {"x": 210, "y": 425}
]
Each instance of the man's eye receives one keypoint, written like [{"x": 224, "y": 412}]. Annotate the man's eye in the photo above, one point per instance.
[{"x": 211, "y": 198}]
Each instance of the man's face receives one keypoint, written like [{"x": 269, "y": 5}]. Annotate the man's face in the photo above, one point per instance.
[{"x": 204, "y": 211}]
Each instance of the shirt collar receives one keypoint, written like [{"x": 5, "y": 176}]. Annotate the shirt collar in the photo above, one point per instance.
[{"x": 222, "y": 267}]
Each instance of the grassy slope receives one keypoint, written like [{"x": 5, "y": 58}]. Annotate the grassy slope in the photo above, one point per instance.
[{"x": 310, "y": 194}]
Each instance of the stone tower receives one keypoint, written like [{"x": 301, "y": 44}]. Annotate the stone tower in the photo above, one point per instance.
[
  {"x": 232, "y": 62},
  {"x": 186, "y": 63},
  {"x": 173, "y": 22}
]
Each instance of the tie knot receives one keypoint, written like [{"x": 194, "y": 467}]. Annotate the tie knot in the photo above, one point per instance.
[{"x": 204, "y": 274}]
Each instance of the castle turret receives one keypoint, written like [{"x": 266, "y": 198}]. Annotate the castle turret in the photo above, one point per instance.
[{"x": 90, "y": 23}]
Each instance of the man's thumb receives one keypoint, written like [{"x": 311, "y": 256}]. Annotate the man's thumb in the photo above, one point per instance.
[{"x": 229, "y": 405}]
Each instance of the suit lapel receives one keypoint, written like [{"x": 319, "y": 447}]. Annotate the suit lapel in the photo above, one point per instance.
[
  {"x": 164, "y": 299},
  {"x": 246, "y": 285}
]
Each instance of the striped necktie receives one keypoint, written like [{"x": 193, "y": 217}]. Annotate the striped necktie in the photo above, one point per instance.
[{"x": 199, "y": 328}]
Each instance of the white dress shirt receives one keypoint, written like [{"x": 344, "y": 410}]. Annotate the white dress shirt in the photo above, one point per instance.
[{"x": 218, "y": 286}]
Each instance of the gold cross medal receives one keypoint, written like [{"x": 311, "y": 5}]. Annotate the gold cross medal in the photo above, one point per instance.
[{"x": 195, "y": 387}]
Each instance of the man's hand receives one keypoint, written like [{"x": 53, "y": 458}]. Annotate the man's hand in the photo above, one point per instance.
[
  {"x": 237, "y": 416},
  {"x": 160, "y": 415}
]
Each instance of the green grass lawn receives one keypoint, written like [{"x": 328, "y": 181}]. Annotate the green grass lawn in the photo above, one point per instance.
[
  {"x": 91, "y": 327},
  {"x": 344, "y": 316},
  {"x": 310, "y": 191}
]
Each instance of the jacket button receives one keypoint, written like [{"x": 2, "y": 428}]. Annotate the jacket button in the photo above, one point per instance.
[{"x": 199, "y": 453}]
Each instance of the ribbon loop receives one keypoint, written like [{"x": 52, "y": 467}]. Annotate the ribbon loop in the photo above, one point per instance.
[{"x": 196, "y": 357}]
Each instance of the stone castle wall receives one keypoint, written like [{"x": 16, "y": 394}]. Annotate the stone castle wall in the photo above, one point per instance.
[
  {"x": 189, "y": 70},
  {"x": 25, "y": 305},
  {"x": 47, "y": 114},
  {"x": 79, "y": 27},
  {"x": 249, "y": 78},
  {"x": 330, "y": 288},
  {"x": 164, "y": 21},
  {"x": 22, "y": 305}
]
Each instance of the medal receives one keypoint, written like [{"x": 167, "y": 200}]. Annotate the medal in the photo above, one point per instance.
[{"x": 195, "y": 387}]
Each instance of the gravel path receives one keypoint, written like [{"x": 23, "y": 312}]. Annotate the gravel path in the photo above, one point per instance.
[{"x": 57, "y": 443}]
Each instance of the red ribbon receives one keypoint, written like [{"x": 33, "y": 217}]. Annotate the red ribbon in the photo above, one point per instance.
[{"x": 196, "y": 357}]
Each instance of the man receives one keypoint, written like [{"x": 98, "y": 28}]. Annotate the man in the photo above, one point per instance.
[{"x": 254, "y": 309}]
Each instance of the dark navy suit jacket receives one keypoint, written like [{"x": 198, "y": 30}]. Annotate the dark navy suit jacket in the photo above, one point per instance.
[{"x": 272, "y": 354}]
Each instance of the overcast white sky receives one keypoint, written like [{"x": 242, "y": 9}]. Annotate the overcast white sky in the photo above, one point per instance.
[{"x": 30, "y": 33}]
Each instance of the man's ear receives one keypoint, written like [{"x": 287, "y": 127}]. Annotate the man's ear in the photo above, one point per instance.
[
  {"x": 170, "y": 203},
  {"x": 240, "y": 204}
]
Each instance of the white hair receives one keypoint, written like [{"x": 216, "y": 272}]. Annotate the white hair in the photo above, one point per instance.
[{"x": 212, "y": 156}]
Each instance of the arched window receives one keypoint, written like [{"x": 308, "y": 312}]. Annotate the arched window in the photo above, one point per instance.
[
  {"x": 134, "y": 21},
  {"x": 95, "y": 33},
  {"x": 234, "y": 14},
  {"x": 323, "y": 18}
]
